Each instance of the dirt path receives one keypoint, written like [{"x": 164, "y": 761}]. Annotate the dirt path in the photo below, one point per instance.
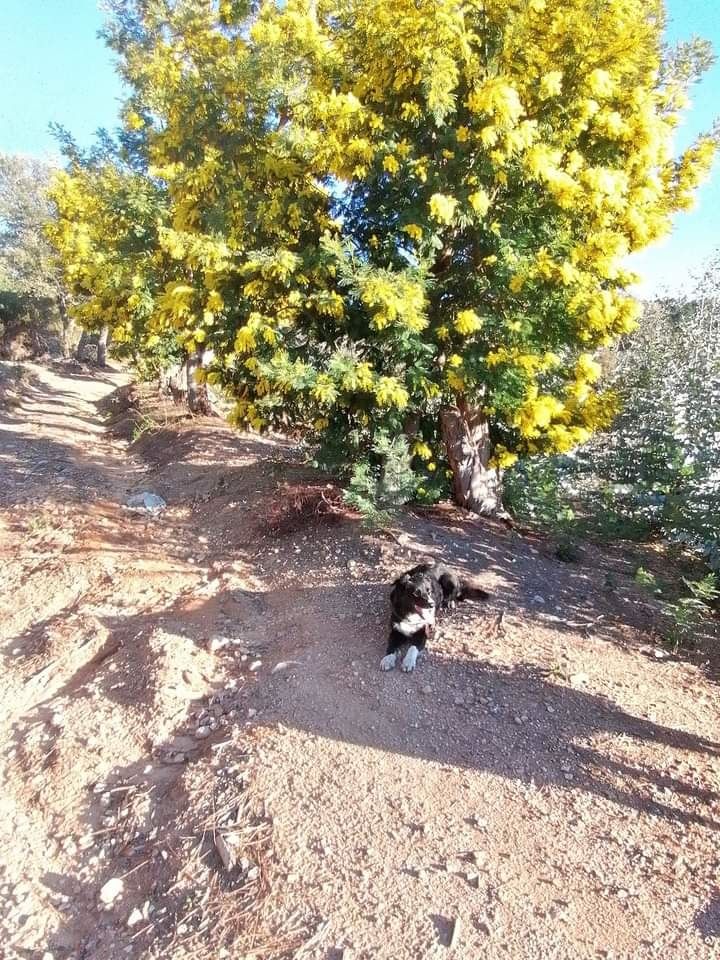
[{"x": 543, "y": 786}]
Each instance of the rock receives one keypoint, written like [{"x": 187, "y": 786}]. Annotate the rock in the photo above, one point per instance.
[
  {"x": 255, "y": 666},
  {"x": 538, "y": 599},
  {"x": 136, "y": 917},
  {"x": 455, "y": 935},
  {"x": 283, "y": 665},
  {"x": 146, "y": 501},
  {"x": 427, "y": 689},
  {"x": 225, "y": 851},
  {"x": 459, "y": 701},
  {"x": 111, "y": 890},
  {"x": 203, "y": 732},
  {"x": 218, "y": 643}
]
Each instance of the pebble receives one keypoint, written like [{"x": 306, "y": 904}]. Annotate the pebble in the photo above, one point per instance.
[
  {"x": 111, "y": 890},
  {"x": 255, "y": 666},
  {"x": 427, "y": 689},
  {"x": 136, "y": 916},
  {"x": 202, "y": 732}
]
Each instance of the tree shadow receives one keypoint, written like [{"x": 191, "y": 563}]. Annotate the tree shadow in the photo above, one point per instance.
[{"x": 707, "y": 920}]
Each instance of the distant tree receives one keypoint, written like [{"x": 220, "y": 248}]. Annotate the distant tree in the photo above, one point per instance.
[
  {"x": 665, "y": 444},
  {"x": 29, "y": 266}
]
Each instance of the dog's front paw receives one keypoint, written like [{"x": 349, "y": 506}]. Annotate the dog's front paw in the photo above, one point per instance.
[
  {"x": 388, "y": 662},
  {"x": 410, "y": 661}
]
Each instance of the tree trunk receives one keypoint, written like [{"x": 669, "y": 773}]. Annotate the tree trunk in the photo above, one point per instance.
[
  {"x": 197, "y": 393},
  {"x": 102, "y": 346},
  {"x": 173, "y": 381},
  {"x": 476, "y": 485},
  {"x": 82, "y": 345},
  {"x": 67, "y": 325}
]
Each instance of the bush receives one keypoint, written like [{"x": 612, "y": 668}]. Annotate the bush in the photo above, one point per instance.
[{"x": 383, "y": 481}]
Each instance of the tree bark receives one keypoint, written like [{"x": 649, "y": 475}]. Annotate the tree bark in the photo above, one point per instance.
[
  {"x": 197, "y": 393},
  {"x": 82, "y": 345},
  {"x": 102, "y": 346},
  {"x": 67, "y": 325},
  {"x": 477, "y": 486}
]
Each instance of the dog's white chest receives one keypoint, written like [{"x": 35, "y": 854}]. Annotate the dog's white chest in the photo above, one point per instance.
[{"x": 412, "y": 622}]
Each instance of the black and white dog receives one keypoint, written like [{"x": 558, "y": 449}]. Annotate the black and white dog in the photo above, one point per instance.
[{"x": 415, "y": 600}]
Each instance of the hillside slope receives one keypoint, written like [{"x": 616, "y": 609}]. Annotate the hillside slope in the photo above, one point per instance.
[{"x": 189, "y": 686}]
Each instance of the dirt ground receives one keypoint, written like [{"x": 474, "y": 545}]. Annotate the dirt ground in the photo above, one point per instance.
[{"x": 201, "y": 757}]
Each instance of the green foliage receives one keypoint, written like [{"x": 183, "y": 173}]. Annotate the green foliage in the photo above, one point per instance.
[
  {"x": 33, "y": 295},
  {"x": 645, "y": 578},
  {"x": 383, "y": 481},
  {"x": 373, "y": 214},
  {"x": 686, "y": 615}
]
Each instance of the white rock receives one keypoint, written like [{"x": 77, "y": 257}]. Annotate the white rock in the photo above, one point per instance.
[
  {"x": 146, "y": 501},
  {"x": 111, "y": 890},
  {"x": 136, "y": 916},
  {"x": 202, "y": 732}
]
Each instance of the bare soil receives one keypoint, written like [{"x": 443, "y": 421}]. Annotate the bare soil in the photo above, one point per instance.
[{"x": 201, "y": 758}]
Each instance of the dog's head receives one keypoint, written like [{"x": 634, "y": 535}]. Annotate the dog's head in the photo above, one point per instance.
[{"x": 420, "y": 594}]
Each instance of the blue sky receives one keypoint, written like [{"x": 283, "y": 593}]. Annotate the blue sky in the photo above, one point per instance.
[{"x": 53, "y": 67}]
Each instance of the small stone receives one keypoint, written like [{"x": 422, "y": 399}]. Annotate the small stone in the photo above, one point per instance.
[
  {"x": 226, "y": 851},
  {"x": 549, "y": 708},
  {"x": 111, "y": 890},
  {"x": 252, "y": 712},
  {"x": 459, "y": 701},
  {"x": 427, "y": 689},
  {"x": 518, "y": 720},
  {"x": 203, "y": 732},
  {"x": 255, "y": 666},
  {"x": 283, "y": 665},
  {"x": 136, "y": 917},
  {"x": 217, "y": 643},
  {"x": 146, "y": 501},
  {"x": 538, "y": 599},
  {"x": 622, "y": 894}
]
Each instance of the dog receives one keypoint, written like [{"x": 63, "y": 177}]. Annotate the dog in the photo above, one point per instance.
[{"x": 415, "y": 600}]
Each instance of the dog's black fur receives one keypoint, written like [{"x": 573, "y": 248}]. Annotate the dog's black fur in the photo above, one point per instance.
[{"x": 415, "y": 599}]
